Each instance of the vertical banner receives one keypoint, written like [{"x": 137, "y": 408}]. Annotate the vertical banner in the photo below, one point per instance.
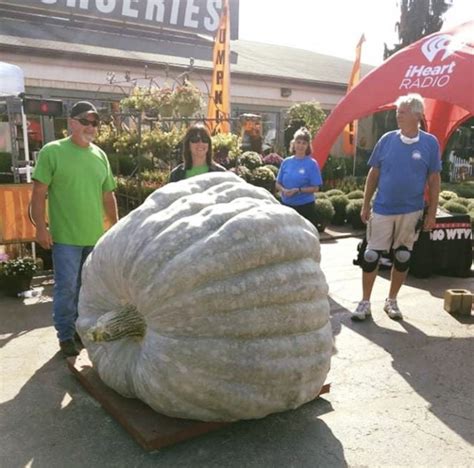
[
  {"x": 219, "y": 100},
  {"x": 350, "y": 130}
]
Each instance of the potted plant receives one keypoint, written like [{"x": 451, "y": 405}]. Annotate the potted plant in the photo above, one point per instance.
[
  {"x": 324, "y": 213},
  {"x": 187, "y": 99},
  {"x": 353, "y": 209},
  {"x": 16, "y": 274}
]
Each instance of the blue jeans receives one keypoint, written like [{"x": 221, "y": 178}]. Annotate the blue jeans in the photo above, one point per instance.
[{"x": 67, "y": 262}]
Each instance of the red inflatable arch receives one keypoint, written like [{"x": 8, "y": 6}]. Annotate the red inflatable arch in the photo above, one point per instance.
[{"x": 440, "y": 67}]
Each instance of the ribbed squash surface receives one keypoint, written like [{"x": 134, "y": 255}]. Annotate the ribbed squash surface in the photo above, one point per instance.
[{"x": 225, "y": 289}]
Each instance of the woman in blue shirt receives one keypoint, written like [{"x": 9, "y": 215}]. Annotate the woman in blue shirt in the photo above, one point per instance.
[{"x": 299, "y": 177}]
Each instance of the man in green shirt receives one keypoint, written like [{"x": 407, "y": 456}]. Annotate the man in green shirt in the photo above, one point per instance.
[{"x": 76, "y": 176}]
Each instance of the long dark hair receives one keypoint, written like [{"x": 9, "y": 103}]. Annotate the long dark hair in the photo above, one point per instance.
[{"x": 203, "y": 132}]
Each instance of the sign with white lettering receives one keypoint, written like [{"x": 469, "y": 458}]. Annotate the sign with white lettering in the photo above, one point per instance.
[{"x": 199, "y": 16}]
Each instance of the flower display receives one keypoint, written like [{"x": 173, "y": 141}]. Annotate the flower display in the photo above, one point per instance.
[
  {"x": 273, "y": 159},
  {"x": 23, "y": 266}
]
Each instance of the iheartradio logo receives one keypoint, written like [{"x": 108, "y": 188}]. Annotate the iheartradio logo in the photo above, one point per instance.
[{"x": 432, "y": 47}]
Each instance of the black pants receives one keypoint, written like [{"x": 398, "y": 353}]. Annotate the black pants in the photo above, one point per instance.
[{"x": 308, "y": 211}]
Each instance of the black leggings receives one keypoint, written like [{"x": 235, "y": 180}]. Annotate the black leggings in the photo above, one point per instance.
[{"x": 308, "y": 211}]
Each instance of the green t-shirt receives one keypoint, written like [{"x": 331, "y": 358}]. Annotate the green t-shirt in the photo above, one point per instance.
[
  {"x": 196, "y": 170},
  {"x": 76, "y": 178}
]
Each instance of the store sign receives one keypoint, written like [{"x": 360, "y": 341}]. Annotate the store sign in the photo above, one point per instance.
[{"x": 200, "y": 16}]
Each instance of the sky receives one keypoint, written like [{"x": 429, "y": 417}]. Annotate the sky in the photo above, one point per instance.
[{"x": 332, "y": 27}]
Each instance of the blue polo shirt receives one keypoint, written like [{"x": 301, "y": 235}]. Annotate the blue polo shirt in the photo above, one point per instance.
[
  {"x": 404, "y": 171},
  {"x": 299, "y": 173}
]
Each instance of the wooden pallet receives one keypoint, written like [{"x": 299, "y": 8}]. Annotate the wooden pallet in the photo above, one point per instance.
[{"x": 150, "y": 429}]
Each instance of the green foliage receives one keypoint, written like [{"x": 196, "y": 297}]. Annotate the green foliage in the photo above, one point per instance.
[
  {"x": 442, "y": 201},
  {"x": 308, "y": 112},
  {"x": 463, "y": 201},
  {"x": 418, "y": 19},
  {"x": 353, "y": 209},
  {"x": 339, "y": 202},
  {"x": 453, "y": 207},
  {"x": 333, "y": 192},
  {"x": 243, "y": 172},
  {"x": 250, "y": 159},
  {"x": 23, "y": 266},
  {"x": 162, "y": 144},
  {"x": 127, "y": 164},
  {"x": 335, "y": 168},
  {"x": 183, "y": 101},
  {"x": 462, "y": 189},
  {"x": 470, "y": 205},
  {"x": 322, "y": 195},
  {"x": 274, "y": 169},
  {"x": 263, "y": 177},
  {"x": 226, "y": 147},
  {"x": 448, "y": 195},
  {"x": 355, "y": 194},
  {"x": 324, "y": 212}
]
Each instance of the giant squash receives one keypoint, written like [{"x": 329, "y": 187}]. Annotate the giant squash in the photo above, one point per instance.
[{"x": 208, "y": 302}]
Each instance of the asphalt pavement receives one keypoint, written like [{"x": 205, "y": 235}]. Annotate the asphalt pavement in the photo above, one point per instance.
[{"x": 402, "y": 392}]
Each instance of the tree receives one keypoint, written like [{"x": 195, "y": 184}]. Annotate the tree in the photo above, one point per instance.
[{"x": 418, "y": 18}]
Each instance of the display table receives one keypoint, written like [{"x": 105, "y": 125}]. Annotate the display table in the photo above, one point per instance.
[{"x": 446, "y": 250}]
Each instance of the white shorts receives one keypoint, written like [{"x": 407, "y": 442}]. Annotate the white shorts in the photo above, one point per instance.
[{"x": 387, "y": 231}]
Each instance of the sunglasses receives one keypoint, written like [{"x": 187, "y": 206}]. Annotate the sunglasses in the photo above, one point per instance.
[
  {"x": 86, "y": 123},
  {"x": 199, "y": 138}
]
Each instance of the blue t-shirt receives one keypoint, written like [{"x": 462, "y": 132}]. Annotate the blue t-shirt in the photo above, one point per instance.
[
  {"x": 404, "y": 170},
  {"x": 299, "y": 173}
]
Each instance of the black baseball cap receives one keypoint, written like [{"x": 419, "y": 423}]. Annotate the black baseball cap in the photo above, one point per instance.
[{"x": 83, "y": 108}]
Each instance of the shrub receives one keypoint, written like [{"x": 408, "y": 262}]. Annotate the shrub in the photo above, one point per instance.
[
  {"x": 463, "y": 189},
  {"x": 463, "y": 201},
  {"x": 349, "y": 184},
  {"x": 453, "y": 207},
  {"x": 470, "y": 205},
  {"x": 243, "y": 172},
  {"x": 331, "y": 193},
  {"x": 273, "y": 168},
  {"x": 442, "y": 201},
  {"x": 273, "y": 159},
  {"x": 321, "y": 195},
  {"x": 353, "y": 213},
  {"x": 250, "y": 159},
  {"x": 263, "y": 177},
  {"x": 226, "y": 147},
  {"x": 355, "y": 195},
  {"x": 448, "y": 194},
  {"x": 339, "y": 202},
  {"x": 324, "y": 212}
]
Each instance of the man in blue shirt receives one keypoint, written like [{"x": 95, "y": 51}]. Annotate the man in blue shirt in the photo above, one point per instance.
[{"x": 403, "y": 162}]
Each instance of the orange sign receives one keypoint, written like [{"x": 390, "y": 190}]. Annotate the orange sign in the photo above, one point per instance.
[{"x": 219, "y": 100}]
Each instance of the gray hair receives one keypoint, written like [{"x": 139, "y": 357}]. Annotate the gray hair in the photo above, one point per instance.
[{"x": 414, "y": 101}]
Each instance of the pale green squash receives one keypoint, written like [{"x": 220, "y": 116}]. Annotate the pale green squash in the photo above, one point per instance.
[{"x": 227, "y": 304}]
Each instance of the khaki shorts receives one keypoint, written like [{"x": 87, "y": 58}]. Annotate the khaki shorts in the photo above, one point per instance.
[{"x": 386, "y": 231}]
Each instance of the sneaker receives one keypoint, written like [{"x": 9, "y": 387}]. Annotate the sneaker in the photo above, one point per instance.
[
  {"x": 68, "y": 348},
  {"x": 392, "y": 310},
  {"x": 362, "y": 311}
]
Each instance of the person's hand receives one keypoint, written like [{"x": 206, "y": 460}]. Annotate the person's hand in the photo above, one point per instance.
[
  {"x": 290, "y": 192},
  {"x": 429, "y": 223},
  {"x": 43, "y": 237},
  {"x": 365, "y": 214}
]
